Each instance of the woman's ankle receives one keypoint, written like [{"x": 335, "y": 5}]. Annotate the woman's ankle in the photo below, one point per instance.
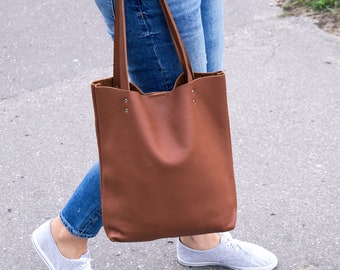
[
  {"x": 70, "y": 246},
  {"x": 202, "y": 241}
]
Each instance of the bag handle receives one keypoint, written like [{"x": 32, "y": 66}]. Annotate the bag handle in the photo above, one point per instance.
[{"x": 120, "y": 74}]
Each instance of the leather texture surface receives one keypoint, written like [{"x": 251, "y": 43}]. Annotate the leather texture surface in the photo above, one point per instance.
[{"x": 165, "y": 157}]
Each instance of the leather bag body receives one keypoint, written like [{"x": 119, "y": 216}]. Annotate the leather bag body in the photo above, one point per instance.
[{"x": 166, "y": 163}]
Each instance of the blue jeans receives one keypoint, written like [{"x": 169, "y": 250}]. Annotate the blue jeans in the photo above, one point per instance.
[{"x": 153, "y": 66}]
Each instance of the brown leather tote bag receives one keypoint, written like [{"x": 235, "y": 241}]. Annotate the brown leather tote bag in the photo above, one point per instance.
[{"x": 165, "y": 158}]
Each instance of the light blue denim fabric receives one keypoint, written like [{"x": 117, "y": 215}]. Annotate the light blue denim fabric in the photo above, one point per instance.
[{"x": 153, "y": 66}]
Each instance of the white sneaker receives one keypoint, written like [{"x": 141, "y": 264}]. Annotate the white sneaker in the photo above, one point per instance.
[
  {"x": 231, "y": 253},
  {"x": 44, "y": 244}
]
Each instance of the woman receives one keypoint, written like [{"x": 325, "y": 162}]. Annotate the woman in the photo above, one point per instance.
[{"x": 62, "y": 242}]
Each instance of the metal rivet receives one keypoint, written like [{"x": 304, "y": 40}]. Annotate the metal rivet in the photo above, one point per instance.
[
  {"x": 126, "y": 110},
  {"x": 194, "y": 101},
  {"x": 126, "y": 100},
  {"x": 193, "y": 91}
]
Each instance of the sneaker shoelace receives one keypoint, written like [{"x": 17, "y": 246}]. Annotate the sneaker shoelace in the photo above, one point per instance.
[
  {"x": 231, "y": 243},
  {"x": 86, "y": 265}
]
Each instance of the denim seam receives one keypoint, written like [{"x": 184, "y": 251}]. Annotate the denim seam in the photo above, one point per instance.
[
  {"x": 148, "y": 28},
  {"x": 112, "y": 6},
  {"x": 79, "y": 233}
]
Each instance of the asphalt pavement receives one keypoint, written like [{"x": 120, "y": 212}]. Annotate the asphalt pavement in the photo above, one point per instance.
[{"x": 283, "y": 77}]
